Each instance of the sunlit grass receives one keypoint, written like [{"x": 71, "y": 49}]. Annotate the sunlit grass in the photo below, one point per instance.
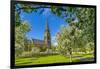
[
  {"x": 41, "y": 60},
  {"x": 50, "y": 59}
]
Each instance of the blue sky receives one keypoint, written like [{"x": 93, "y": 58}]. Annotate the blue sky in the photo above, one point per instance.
[{"x": 38, "y": 21}]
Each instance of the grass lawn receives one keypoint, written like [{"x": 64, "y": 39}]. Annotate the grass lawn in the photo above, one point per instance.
[{"x": 49, "y": 59}]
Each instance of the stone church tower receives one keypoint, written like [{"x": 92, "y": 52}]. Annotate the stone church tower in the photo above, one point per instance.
[{"x": 47, "y": 36}]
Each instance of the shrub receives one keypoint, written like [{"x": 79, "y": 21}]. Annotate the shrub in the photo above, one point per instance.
[
  {"x": 26, "y": 54},
  {"x": 18, "y": 51},
  {"x": 34, "y": 52}
]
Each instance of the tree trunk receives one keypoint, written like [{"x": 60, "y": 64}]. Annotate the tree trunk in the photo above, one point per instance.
[{"x": 70, "y": 56}]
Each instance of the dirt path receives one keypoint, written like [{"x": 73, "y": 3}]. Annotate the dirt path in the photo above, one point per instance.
[
  {"x": 83, "y": 59},
  {"x": 87, "y": 59}
]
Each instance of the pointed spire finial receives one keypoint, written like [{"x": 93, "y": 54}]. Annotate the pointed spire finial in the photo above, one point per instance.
[{"x": 47, "y": 23}]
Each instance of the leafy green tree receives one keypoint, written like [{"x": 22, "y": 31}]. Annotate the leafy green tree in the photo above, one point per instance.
[
  {"x": 90, "y": 47},
  {"x": 69, "y": 38},
  {"x": 53, "y": 48},
  {"x": 28, "y": 44},
  {"x": 20, "y": 36},
  {"x": 86, "y": 17}
]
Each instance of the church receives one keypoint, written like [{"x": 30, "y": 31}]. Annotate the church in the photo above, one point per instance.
[{"x": 47, "y": 38}]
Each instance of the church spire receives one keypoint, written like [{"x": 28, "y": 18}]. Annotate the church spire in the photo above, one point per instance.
[
  {"x": 47, "y": 27},
  {"x": 47, "y": 36}
]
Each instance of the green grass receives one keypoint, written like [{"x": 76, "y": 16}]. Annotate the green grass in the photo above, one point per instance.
[
  {"x": 41, "y": 60},
  {"x": 49, "y": 59}
]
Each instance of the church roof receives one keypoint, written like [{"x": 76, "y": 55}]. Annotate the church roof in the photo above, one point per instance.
[{"x": 37, "y": 41}]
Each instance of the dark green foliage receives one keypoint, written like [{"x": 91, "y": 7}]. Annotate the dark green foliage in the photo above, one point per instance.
[{"x": 43, "y": 48}]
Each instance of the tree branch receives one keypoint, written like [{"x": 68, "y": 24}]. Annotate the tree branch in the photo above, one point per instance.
[
  {"x": 31, "y": 8},
  {"x": 39, "y": 8}
]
